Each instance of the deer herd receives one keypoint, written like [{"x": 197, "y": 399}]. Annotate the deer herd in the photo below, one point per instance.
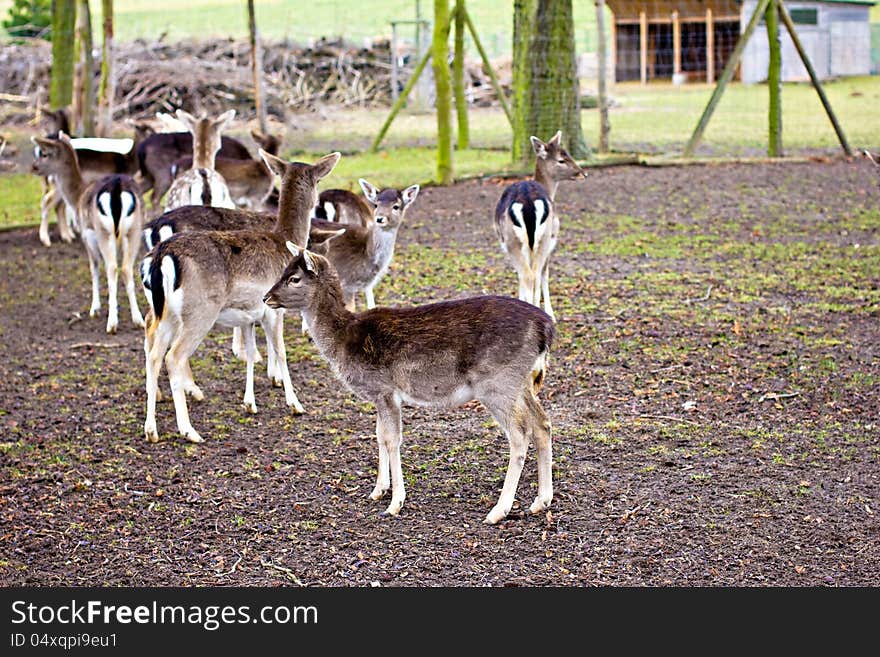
[{"x": 232, "y": 250}]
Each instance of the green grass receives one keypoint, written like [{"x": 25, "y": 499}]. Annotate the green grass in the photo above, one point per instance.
[
  {"x": 355, "y": 19},
  {"x": 19, "y": 200}
]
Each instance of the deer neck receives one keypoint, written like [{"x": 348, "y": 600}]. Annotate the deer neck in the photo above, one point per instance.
[
  {"x": 203, "y": 157},
  {"x": 380, "y": 244},
  {"x": 328, "y": 319},
  {"x": 71, "y": 185},
  {"x": 542, "y": 177},
  {"x": 294, "y": 212}
]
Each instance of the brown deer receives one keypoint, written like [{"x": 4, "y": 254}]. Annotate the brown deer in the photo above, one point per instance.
[
  {"x": 203, "y": 278},
  {"x": 341, "y": 205},
  {"x": 488, "y": 348},
  {"x": 526, "y": 222},
  {"x": 109, "y": 217},
  {"x": 201, "y": 184},
  {"x": 250, "y": 182}
]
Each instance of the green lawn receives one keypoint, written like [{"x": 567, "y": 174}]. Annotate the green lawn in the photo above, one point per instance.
[{"x": 19, "y": 200}]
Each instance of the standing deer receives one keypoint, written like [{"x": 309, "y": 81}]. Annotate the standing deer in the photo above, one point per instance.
[
  {"x": 203, "y": 278},
  {"x": 526, "y": 222},
  {"x": 361, "y": 255},
  {"x": 444, "y": 354},
  {"x": 201, "y": 185},
  {"x": 108, "y": 216}
]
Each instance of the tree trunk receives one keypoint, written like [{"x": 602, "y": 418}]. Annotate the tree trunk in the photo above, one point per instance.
[
  {"x": 546, "y": 94},
  {"x": 458, "y": 78},
  {"x": 107, "y": 86},
  {"x": 84, "y": 91},
  {"x": 257, "y": 67},
  {"x": 604, "y": 125},
  {"x": 440, "y": 64},
  {"x": 774, "y": 81},
  {"x": 63, "y": 35}
]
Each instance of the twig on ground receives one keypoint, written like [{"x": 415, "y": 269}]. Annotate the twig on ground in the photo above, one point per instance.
[
  {"x": 234, "y": 566},
  {"x": 669, "y": 418},
  {"x": 286, "y": 571},
  {"x": 776, "y": 396},
  {"x": 705, "y": 297},
  {"x": 95, "y": 345},
  {"x": 77, "y": 317}
]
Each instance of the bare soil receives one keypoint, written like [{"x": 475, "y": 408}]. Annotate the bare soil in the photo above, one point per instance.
[{"x": 714, "y": 390}]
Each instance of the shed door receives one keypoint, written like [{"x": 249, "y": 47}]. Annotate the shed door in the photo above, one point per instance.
[{"x": 850, "y": 48}]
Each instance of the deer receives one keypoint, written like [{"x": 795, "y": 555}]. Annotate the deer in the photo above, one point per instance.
[
  {"x": 201, "y": 184},
  {"x": 526, "y": 222},
  {"x": 94, "y": 165},
  {"x": 489, "y": 348},
  {"x": 157, "y": 153},
  {"x": 109, "y": 216},
  {"x": 362, "y": 254},
  {"x": 343, "y": 206},
  {"x": 202, "y": 278},
  {"x": 250, "y": 182}
]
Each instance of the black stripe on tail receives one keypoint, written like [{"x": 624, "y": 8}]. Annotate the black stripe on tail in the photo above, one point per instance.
[
  {"x": 206, "y": 187},
  {"x": 525, "y": 193},
  {"x": 156, "y": 286}
]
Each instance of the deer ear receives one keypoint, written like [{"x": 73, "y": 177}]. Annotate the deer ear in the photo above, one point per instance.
[
  {"x": 325, "y": 165},
  {"x": 539, "y": 146},
  {"x": 187, "y": 119},
  {"x": 369, "y": 191},
  {"x": 257, "y": 136},
  {"x": 276, "y": 165},
  {"x": 294, "y": 249},
  {"x": 62, "y": 136},
  {"x": 319, "y": 236},
  {"x": 223, "y": 120},
  {"x": 409, "y": 195},
  {"x": 311, "y": 265},
  {"x": 557, "y": 138}
]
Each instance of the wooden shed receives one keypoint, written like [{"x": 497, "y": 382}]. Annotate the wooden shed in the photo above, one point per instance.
[{"x": 654, "y": 39}]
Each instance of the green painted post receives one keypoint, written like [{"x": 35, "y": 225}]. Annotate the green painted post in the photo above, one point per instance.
[
  {"x": 63, "y": 38},
  {"x": 443, "y": 91},
  {"x": 461, "y": 109},
  {"x": 726, "y": 76},
  {"x": 774, "y": 80}
]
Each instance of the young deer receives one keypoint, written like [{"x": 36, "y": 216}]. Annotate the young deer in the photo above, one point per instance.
[
  {"x": 109, "y": 216},
  {"x": 93, "y": 164},
  {"x": 250, "y": 182},
  {"x": 201, "y": 184},
  {"x": 526, "y": 223},
  {"x": 361, "y": 255},
  {"x": 444, "y": 354},
  {"x": 158, "y": 152},
  {"x": 342, "y": 206},
  {"x": 203, "y": 278}
]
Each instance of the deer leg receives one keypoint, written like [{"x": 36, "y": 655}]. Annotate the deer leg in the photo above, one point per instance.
[
  {"x": 128, "y": 257},
  {"x": 156, "y": 345},
  {"x": 65, "y": 217},
  {"x": 539, "y": 433},
  {"x": 238, "y": 346},
  {"x": 250, "y": 346},
  {"x": 545, "y": 287},
  {"x": 185, "y": 341},
  {"x": 389, "y": 432},
  {"x": 94, "y": 253},
  {"x": 275, "y": 331},
  {"x": 511, "y": 419},
  {"x": 370, "y": 299},
  {"x": 47, "y": 204},
  {"x": 108, "y": 253},
  {"x": 383, "y": 472}
]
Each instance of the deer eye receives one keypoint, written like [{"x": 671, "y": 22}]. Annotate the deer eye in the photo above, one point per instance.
[
  {"x": 395, "y": 207},
  {"x": 561, "y": 161},
  {"x": 294, "y": 280}
]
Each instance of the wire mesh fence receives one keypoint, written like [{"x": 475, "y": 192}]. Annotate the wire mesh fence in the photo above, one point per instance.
[{"x": 334, "y": 67}]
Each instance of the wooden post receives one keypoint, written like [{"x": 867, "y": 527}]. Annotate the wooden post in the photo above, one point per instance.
[
  {"x": 443, "y": 91},
  {"x": 63, "y": 49},
  {"x": 676, "y": 44},
  {"x": 394, "y": 92},
  {"x": 614, "y": 51},
  {"x": 710, "y": 47},
  {"x": 461, "y": 109},
  {"x": 401, "y": 100},
  {"x": 107, "y": 86},
  {"x": 84, "y": 87},
  {"x": 783, "y": 14},
  {"x": 604, "y": 125},
  {"x": 643, "y": 46},
  {"x": 726, "y": 75},
  {"x": 774, "y": 81},
  {"x": 487, "y": 65},
  {"x": 257, "y": 67}
]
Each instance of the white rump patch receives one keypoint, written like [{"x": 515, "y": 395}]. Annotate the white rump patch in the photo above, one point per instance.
[
  {"x": 103, "y": 203},
  {"x": 165, "y": 232},
  {"x": 128, "y": 202},
  {"x": 220, "y": 196},
  {"x": 148, "y": 238},
  {"x": 540, "y": 210},
  {"x": 104, "y": 144},
  {"x": 330, "y": 209},
  {"x": 520, "y": 231},
  {"x": 173, "y": 298},
  {"x": 145, "y": 271},
  {"x": 195, "y": 192}
]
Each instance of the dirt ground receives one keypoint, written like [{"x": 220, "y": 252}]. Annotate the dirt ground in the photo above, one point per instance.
[{"x": 714, "y": 391}]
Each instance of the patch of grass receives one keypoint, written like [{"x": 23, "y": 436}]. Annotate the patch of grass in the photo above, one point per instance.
[{"x": 19, "y": 200}]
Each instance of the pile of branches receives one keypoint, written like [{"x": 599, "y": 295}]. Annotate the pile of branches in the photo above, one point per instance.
[{"x": 214, "y": 75}]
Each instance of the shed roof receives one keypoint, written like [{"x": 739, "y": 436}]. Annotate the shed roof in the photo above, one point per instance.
[{"x": 662, "y": 9}]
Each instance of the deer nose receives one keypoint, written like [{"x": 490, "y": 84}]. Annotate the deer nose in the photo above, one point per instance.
[{"x": 381, "y": 220}]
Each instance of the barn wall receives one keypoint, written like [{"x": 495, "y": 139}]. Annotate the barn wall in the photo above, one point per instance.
[{"x": 840, "y": 44}]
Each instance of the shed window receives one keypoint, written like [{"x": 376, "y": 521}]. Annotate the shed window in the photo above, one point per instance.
[{"x": 804, "y": 16}]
